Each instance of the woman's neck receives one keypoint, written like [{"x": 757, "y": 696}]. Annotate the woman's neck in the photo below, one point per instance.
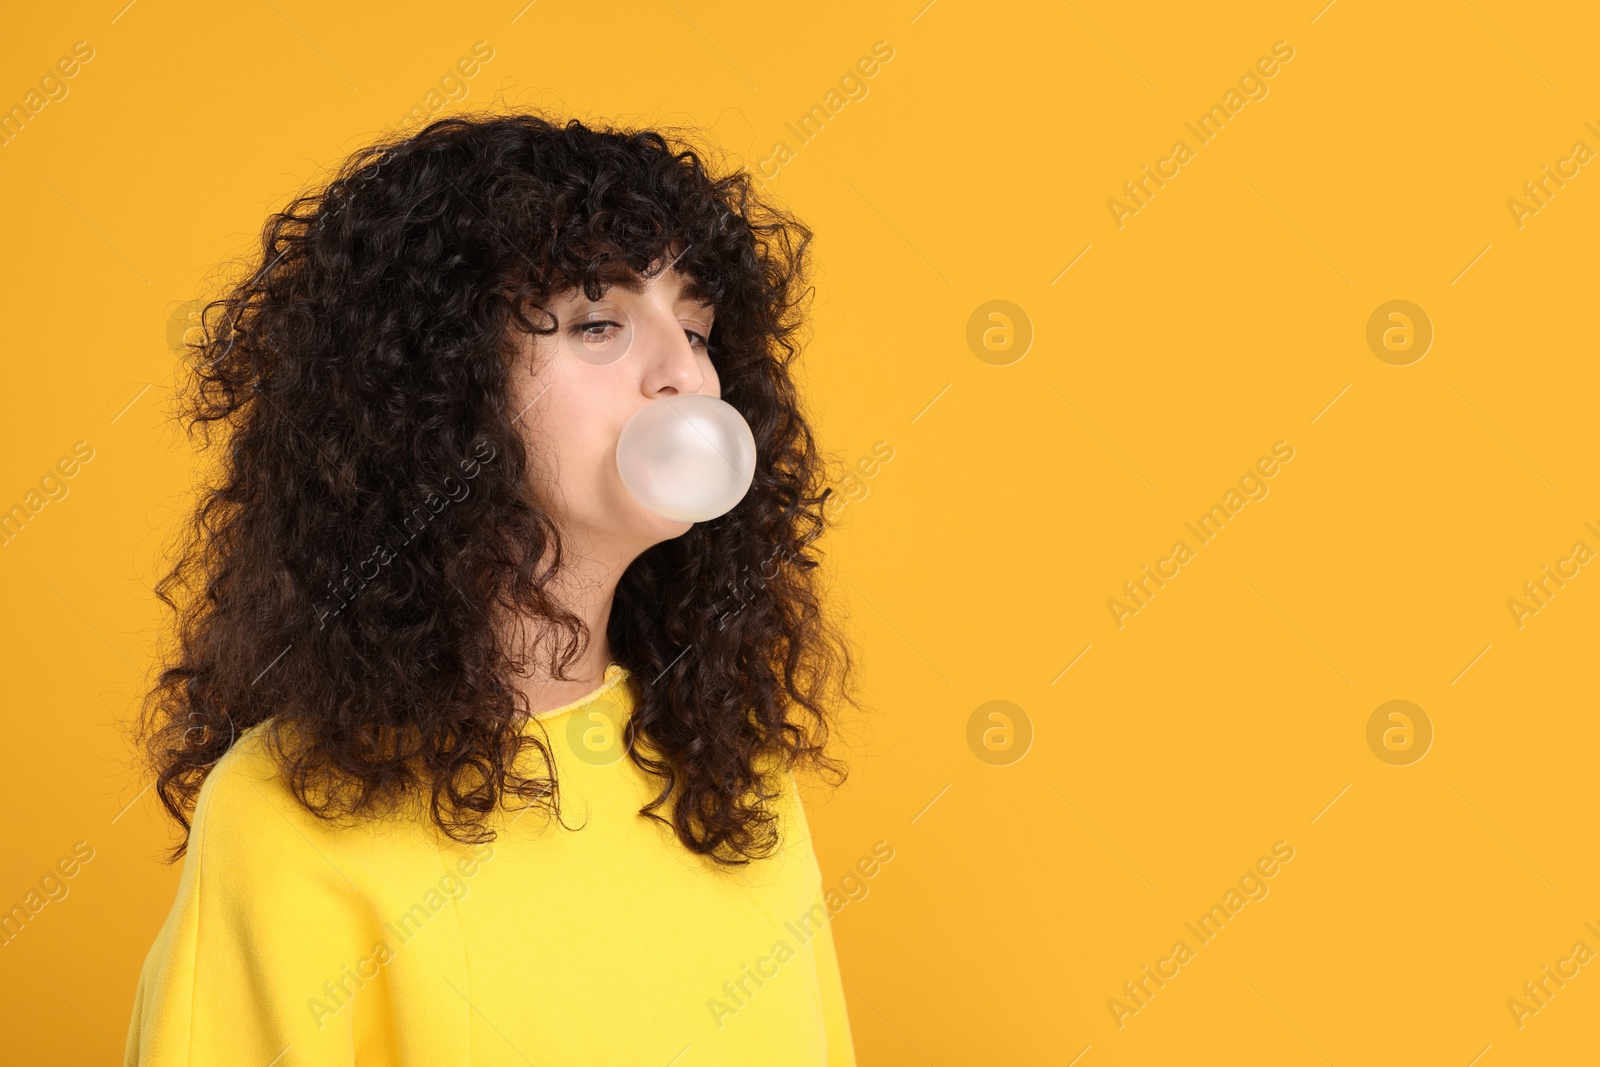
[{"x": 587, "y": 585}]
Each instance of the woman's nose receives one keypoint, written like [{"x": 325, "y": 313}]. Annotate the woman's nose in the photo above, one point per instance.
[{"x": 673, "y": 362}]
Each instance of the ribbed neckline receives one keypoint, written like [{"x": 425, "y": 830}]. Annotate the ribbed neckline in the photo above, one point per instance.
[{"x": 615, "y": 674}]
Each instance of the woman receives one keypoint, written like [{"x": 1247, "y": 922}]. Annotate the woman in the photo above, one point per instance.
[{"x": 477, "y": 760}]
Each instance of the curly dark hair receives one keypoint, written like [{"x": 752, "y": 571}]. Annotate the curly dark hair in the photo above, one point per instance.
[{"x": 365, "y": 362}]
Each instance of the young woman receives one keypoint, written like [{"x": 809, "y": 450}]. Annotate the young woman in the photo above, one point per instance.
[{"x": 476, "y": 759}]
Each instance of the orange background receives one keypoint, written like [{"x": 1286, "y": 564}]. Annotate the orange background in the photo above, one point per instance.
[{"x": 1167, "y": 354}]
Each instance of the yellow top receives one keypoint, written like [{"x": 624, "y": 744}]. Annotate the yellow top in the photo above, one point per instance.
[{"x": 294, "y": 942}]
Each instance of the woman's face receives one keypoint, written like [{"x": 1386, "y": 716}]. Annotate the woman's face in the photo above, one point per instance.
[{"x": 607, "y": 359}]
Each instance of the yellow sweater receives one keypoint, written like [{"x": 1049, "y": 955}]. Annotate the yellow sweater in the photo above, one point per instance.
[{"x": 292, "y": 942}]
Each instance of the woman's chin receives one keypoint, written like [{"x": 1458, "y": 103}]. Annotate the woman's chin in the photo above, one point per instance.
[
  {"x": 651, "y": 526},
  {"x": 665, "y": 529}
]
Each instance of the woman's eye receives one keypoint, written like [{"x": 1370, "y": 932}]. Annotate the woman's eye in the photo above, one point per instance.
[
  {"x": 599, "y": 341},
  {"x": 591, "y": 331},
  {"x": 698, "y": 339}
]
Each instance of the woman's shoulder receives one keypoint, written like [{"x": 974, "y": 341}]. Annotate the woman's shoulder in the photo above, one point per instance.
[
  {"x": 253, "y": 811},
  {"x": 247, "y": 817},
  {"x": 241, "y": 787},
  {"x": 271, "y": 902}
]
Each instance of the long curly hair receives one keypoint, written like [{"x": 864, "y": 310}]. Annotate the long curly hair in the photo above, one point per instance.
[{"x": 356, "y": 386}]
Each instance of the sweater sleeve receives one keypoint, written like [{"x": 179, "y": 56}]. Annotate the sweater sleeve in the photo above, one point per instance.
[
  {"x": 841, "y": 1048},
  {"x": 830, "y": 982},
  {"x": 254, "y": 963}
]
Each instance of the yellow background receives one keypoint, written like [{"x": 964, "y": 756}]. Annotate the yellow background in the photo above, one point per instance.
[{"x": 975, "y": 565}]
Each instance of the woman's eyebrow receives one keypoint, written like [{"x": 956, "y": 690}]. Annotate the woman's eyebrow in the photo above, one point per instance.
[
  {"x": 692, "y": 290},
  {"x": 696, "y": 292}
]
